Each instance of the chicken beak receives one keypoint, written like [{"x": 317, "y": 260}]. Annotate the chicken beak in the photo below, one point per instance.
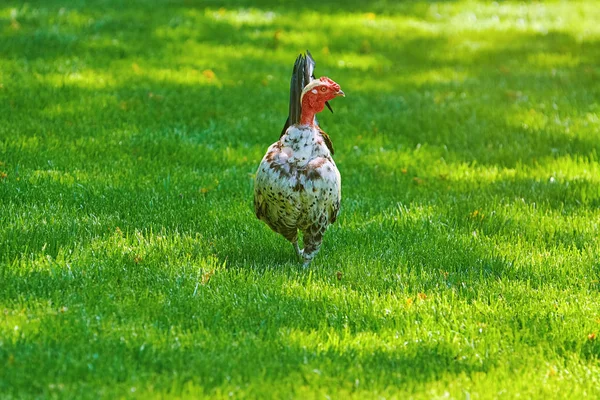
[{"x": 340, "y": 93}]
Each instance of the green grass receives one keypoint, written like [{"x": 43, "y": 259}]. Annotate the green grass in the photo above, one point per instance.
[{"x": 466, "y": 259}]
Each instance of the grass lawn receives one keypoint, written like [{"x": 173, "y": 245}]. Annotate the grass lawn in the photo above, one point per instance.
[{"x": 466, "y": 259}]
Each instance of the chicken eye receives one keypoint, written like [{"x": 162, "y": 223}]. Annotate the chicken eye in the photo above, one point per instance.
[{"x": 323, "y": 89}]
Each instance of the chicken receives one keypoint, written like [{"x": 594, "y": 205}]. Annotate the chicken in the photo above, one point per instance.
[{"x": 298, "y": 186}]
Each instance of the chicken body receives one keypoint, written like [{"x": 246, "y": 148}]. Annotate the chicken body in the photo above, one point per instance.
[{"x": 298, "y": 188}]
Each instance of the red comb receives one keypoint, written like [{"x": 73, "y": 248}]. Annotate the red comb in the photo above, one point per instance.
[{"x": 325, "y": 79}]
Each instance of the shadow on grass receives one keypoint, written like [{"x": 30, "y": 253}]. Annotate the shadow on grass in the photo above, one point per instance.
[{"x": 177, "y": 362}]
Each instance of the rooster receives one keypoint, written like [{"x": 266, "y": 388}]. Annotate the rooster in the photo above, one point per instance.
[{"x": 298, "y": 186}]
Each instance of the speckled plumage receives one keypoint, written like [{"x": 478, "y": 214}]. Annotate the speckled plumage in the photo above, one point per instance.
[{"x": 298, "y": 188}]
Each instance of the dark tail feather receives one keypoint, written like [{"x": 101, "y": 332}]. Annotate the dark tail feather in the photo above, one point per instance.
[
  {"x": 309, "y": 69},
  {"x": 296, "y": 86},
  {"x": 302, "y": 74}
]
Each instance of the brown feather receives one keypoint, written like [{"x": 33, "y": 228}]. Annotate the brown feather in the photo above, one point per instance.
[{"x": 327, "y": 140}]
